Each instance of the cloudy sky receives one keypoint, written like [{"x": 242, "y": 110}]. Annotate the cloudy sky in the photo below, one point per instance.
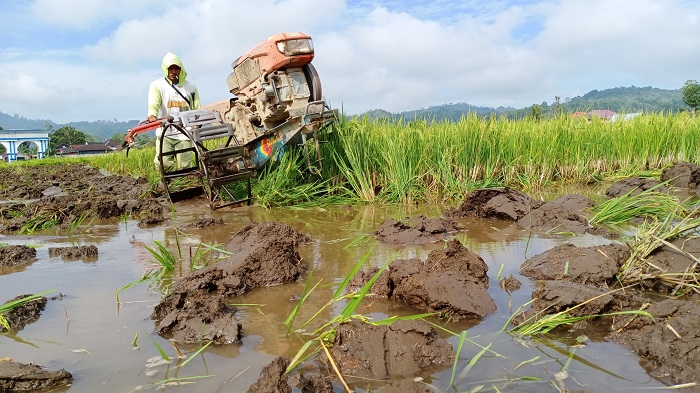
[{"x": 74, "y": 60}]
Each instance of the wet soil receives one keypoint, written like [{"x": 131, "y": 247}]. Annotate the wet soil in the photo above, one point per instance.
[
  {"x": 40, "y": 195},
  {"x": 562, "y": 215},
  {"x": 669, "y": 344},
  {"x": 451, "y": 282},
  {"x": 402, "y": 349},
  {"x": 682, "y": 175},
  {"x": 17, "y": 255},
  {"x": 19, "y": 377},
  {"x": 418, "y": 230},
  {"x": 259, "y": 255},
  {"x": 499, "y": 203},
  {"x": 596, "y": 265},
  {"x": 88, "y": 252},
  {"x": 635, "y": 186},
  {"x": 19, "y": 317}
]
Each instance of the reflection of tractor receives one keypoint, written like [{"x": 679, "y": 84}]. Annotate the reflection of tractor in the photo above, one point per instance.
[{"x": 277, "y": 101}]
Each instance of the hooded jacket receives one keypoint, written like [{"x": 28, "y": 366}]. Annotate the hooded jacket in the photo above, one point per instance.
[{"x": 164, "y": 100}]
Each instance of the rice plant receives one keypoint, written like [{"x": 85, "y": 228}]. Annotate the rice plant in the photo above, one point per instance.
[
  {"x": 646, "y": 204},
  {"x": 649, "y": 237}
]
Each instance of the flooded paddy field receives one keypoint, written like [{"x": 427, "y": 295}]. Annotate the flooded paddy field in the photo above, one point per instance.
[
  {"x": 107, "y": 336},
  {"x": 90, "y": 333}
]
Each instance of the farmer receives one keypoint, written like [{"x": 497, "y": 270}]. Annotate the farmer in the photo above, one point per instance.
[{"x": 167, "y": 97}]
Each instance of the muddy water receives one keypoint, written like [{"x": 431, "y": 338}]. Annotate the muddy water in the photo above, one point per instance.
[{"x": 108, "y": 344}]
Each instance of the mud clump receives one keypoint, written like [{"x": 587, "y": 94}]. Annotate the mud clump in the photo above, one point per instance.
[
  {"x": 401, "y": 349},
  {"x": 19, "y": 377},
  {"x": 499, "y": 203},
  {"x": 670, "y": 343},
  {"x": 204, "y": 222},
  {"x": 564, "y": 214},
  {"x": 682, "y": 175},
  {"x": 19, "y": 317},
  {"x": 552, "y": 297},
  {"x": 88, "y": 252},
  {"x": 634, "y": 186},
  {"x": 16, "y": 255},
  {"x": 678, "y": 257},
  {"x": 262, "y": 254},
  {"x": 62, "y": 194},
  {"x": 596, "y": 265},
  {"x": 273, "y": 378},
  {"x": 419, "y": 230},
  {"x": 451, "y": 282},
  {"x": 510, "y": 284}
]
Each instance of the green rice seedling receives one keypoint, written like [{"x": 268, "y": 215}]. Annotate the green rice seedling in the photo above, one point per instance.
[
  {"x": 304, "y": 294},
  {"x": 8, "y": 306},
  {"x": 648, "y": 203},
  {"x": 325, "y": 334},
  {"x": 537, "y": 324},
  {"x": 164, "y": 257},
  {"x": 78, "y": 222}
]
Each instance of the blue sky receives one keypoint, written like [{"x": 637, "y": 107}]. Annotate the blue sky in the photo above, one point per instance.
[{"x": 74, "y": 60}]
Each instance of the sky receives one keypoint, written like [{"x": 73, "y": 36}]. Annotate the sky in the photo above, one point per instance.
[{"x": 90, "y": 60}]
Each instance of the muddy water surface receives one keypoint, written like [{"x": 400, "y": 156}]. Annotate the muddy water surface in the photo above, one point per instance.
[{"x": 109, "y": 345}]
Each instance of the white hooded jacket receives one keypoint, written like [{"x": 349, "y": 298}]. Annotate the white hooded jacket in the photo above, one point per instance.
[{"x": 164, "y": 100}]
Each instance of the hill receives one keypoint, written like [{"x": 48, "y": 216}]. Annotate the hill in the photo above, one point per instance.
[
  {"x": 99, "y": 130},
  {"x": 620, "y": 99}
]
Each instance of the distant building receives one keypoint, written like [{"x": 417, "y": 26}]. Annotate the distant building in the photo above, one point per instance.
[
  {"x": 628, "y": 116},
  {"x": 85, "y": 149},
  {"x": 601, "y": 114}
]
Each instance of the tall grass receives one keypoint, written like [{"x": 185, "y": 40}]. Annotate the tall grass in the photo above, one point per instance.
[
  {"x": 424, "y": 161},
  {"x": 408, "y": 161}
]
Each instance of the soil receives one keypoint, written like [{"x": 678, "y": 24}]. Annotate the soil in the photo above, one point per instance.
[
  {"x": 510, "y": 284},
  {"x": 402, "y": 349},
  {"x": 16, "y": 256},
  {"x": 670, "y": 343},
  {"x": 24, "y": 314},
  {"x": 88, "y": 252},
  {"x": 564, "y": 214},
  {"x": 682, "y": 175},
  {"x": 261, "y": 254},
  {"x": 204, "y": 222},
  {"x": 451, "y": 282},
  {"x": 64, "y": 193},
  {"x": 635, "y": 186},
  {"x": 362, "y": 350},
  {"x": 419, "y": 230},
  {"x": 499, "y": 203},
  {"x": 19, "y": 377},
  {"x": 596, "y": 265}
]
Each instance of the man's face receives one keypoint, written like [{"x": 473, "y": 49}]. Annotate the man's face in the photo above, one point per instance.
[{"x": 174, "y": 73}]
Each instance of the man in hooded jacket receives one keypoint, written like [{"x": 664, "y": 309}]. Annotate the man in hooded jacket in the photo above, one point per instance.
[{"x": 167, "y": 97}]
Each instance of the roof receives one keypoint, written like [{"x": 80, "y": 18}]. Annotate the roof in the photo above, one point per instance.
[{"x": 601, "y": 113}]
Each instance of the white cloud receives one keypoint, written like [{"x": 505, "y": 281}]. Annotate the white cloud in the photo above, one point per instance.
[{"x": 387, "y": 54}]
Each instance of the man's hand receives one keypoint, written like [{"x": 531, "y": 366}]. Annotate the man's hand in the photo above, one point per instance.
[{"x": 150, "y": 119}]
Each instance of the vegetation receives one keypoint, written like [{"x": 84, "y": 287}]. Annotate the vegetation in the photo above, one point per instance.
[
  {"x": 691, "y": 94},
  {"x": 66, "y": 136}
]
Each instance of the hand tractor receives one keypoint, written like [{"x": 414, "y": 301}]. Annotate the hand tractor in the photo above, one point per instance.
[{"x": 277, "y": 102}]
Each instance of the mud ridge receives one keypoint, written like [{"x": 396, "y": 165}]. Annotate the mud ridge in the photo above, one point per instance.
[{"x": 263, "y": 254}]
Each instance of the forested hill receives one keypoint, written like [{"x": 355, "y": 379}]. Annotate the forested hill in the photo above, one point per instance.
[
  {"x": 99, "y": 130},
  {"x": 620, "y": 99}
]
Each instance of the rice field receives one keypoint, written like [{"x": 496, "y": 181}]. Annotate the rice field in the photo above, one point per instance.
[{"x": 419, "y": 161}]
